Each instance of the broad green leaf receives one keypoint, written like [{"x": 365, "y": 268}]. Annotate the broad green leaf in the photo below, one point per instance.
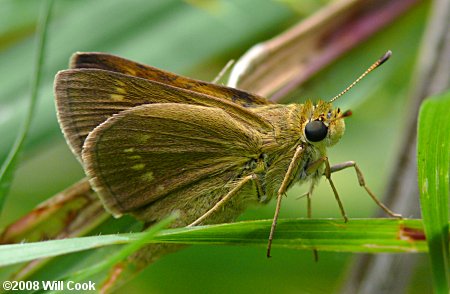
[{"x": 433, "y": 154}]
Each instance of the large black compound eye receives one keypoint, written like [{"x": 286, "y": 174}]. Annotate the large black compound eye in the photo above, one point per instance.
[{"x": 316, "y": 131}]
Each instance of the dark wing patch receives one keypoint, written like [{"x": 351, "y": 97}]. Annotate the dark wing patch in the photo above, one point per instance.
[{"x": 121, "y": 65}]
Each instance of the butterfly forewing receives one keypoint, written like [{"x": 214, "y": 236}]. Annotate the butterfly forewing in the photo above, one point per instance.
[
  {"x": 148, "y": 152},
  {"x": 121, "y": 65},
  {"x": 86, "y": 98}
]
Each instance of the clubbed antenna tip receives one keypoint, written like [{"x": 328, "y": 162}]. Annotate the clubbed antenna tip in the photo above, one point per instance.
[{"x": 384, "y": 57}]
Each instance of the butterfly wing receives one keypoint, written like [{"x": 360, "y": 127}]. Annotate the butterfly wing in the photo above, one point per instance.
[
  {"x": 121, "y": 65},
  {"x": 151, "y": 151},
  {"x": 86, "y": 98}
]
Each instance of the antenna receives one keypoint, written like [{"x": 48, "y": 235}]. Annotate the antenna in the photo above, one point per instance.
[{"x": 377, "y": 63}]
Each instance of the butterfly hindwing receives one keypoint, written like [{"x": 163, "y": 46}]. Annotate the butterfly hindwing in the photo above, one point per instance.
[{"x": 148, "y": 152}]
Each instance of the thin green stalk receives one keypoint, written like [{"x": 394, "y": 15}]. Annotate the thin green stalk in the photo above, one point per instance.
[
  {"x": 8, "y": 167},
  {"x": 132, "y": 247}
]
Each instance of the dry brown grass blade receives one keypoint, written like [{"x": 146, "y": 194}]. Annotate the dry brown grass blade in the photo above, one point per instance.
[
  {"x": 66, "y": 214},
  {"x": 69, "y": 213}
]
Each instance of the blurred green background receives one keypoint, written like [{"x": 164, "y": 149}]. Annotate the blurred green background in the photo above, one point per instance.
[{"x": 197, "y": 38}]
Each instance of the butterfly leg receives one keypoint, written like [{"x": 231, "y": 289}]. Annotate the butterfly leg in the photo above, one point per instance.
[
  {"x": 260, "y": 188},
  {"x": 308, "y": 195},
  {"x": 309, "y": 213},
  {"x": 362, "y": 183},
  {"x": 313, "y": 167},
  {"x": 308, "y": 200},
  {"x": 286, "y": 180},
  {"x": 227, "y": 197},
  {"x": 333, "y": 187}
]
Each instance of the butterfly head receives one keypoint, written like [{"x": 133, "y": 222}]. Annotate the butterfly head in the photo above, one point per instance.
[{"x": 325, "y": 124}]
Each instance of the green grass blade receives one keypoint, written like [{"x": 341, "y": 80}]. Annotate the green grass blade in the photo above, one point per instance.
[
  {"x": 107, "y": 264},
  {"x": 8, "y": 167},
  {"x": 433, "y": 169},
  {"x": 358, "y": 235}
]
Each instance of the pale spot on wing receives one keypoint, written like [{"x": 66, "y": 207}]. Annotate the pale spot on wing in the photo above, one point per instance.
[
  {"x": 128, "y": 150},
  {"x": 117, "y": 97},
  {"x": 134, "y": 157},
  {"x": 131, "y": 72},
  {"x": 160, "y": 188},
  {"x": 139, "y": 166},
  {"x": 148, "y": 176},
  {"x": 120, "y": 83},
  {"x": 121, "y": 90}
]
